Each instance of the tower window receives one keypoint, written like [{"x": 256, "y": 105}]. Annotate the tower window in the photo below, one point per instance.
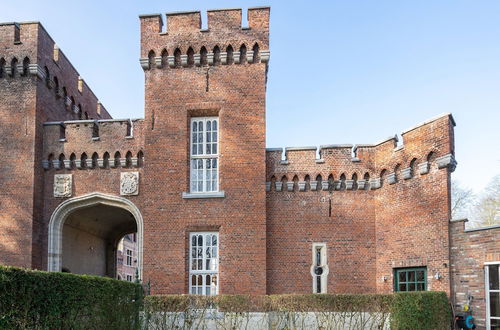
[
  {"x": 204, "y": 155},
  {"x": 204, "y": 263}
]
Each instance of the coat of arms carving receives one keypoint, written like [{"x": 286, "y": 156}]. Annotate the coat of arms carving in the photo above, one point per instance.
[
  {"x": 63, "y": 185},
  {"x": 129, "y": 183}
]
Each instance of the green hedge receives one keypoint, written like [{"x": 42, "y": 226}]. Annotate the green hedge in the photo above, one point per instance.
[
  {"x": 421, "y": 310},
  {"x": 412, "y": 310},
  {"x": 42, "y": 300}
]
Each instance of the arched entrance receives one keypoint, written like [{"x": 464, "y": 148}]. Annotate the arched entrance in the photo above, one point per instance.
[{"x": 84, "y": 232}]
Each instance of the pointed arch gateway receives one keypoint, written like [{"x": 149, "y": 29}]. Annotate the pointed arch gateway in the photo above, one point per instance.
[{"x": 71, "y": 207}]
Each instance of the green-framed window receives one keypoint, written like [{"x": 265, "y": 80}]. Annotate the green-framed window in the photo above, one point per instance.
[{"x": 410, "y": 279}]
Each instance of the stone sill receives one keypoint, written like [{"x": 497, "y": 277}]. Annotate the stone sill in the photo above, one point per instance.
[{"x": 217, "y": 194}]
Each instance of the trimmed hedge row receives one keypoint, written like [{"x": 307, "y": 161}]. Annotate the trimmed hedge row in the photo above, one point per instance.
[
  {"x": 46, "y": 300},
  {"x": 409, "y": 310}
]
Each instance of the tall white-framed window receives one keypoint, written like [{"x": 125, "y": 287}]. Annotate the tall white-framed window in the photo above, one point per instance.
[
  {"x": 204, "y": 174},
  {"x": 129, "y": 257},
  {"x": 319, "y": 268},
  {"x": 204, "y": 263},
  {"x": 492, "y": 292}
]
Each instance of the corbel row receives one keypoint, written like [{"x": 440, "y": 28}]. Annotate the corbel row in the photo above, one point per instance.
[
  {"x": 264, "y": 58},
  {"x": 89, "y": 163}
]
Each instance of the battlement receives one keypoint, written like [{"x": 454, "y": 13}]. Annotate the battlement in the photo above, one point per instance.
[
  {"x": 27, "y": 50},
  {"x": 80, "y": 144},
  {"x": 185, "y": 43},
  {"x": 364, "y": 166}
]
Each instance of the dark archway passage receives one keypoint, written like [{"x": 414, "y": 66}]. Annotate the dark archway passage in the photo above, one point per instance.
[{"x": 90, "y": 237}]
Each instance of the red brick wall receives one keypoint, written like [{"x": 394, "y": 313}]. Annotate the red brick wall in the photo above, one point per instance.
[
  {"x": 412, "y": 215},
  {"x": 236, "y": 93},
  {"x": 27, "y": 102},
  {"x": 470, "y": 250},
  {"x": 368, "y": 232}
]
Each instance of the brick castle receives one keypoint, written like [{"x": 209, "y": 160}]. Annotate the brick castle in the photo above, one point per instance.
[{"x": 214, "y": 210}]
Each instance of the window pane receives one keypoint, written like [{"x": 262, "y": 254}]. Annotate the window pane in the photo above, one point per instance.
[
  {"x": 420, "y": 276},
  {"x": 411, "y": 276},
  {"x": 214, "y": 240},
  {"x": 493, "y": 276},
  {"x": 402, "y": 276},
  {"x": 209, "y": 125},
  {"x": 495, "y": 304},
  {"x": 214, "y": 125},
  {"x": 402, "y": 287},
  {"x": 420, "y": 287},
  {"x": 411, "y": 287}
]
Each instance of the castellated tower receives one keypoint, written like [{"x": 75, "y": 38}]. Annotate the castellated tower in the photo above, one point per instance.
[
  {"x": 37, "y": 84},
  {"x": 205, "y": 141}
]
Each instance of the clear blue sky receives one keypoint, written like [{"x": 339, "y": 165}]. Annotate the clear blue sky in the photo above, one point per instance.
[{"x": 340, "y": 71}]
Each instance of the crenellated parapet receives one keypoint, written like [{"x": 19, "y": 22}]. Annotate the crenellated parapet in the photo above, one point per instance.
[
  {"x": 186, "y": 44},
  {"x": 426, "y": 147},
  {"x": 93, "y": 144},
  {"x": 27, "y": 50}
]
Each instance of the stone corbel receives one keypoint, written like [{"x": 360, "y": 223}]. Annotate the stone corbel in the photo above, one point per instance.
[
  {"x": 375, "y": 183},
  {"x": 144, "y": 63},
  {"x": 210, "y": 58},
  {"x": 184, "y": 60},
  {"x": 123, "y": 162},
  {"x": 36, "y": 70},
  {"x": 158, "y": 62},
  {"x": 314, "y": 185},
  {"x": 45, "y": 164},
  {"x": 100, "y": 163},
  {"x": 289, "y": 185},
  {"x": 67, "y": 164},
  {"x": 135, "y": 162},
  {"x": 406, "y": 173},
  {"x": 391, "y": 178},
  {"x": 250, "y": 56},
  {"x": 56, "y": 164},
  {"x": 171, "y": 61},
  {"x": 78, "y": 164},
  {"x": 8, "y": 70},
  {"x": 265, "y": 55},
  {"x": 361, "y": 184},
  {"x": 337, "y": 184},
  {"x": 20, "y": 69},
  {"x": 325, "y": 185},
  {"x": 236, "y": 57},
  {"x": 447, "y": 161},
  {"x": 223, "y": 57},
  {"x": 302, "y": 186},
  {"x": 278, "y": 185},
  {"x": 349, "y": 184},
  {"x": 423, "y": 167},
  {"x": 89, "y": 163},
  {"x": 268, "y": 186},
  {"x": 197, "y": 59}
]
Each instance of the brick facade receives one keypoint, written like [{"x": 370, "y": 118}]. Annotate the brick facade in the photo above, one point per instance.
[
  {"x": 471, "y": 250},
  {"x": 377, "y": 207}
]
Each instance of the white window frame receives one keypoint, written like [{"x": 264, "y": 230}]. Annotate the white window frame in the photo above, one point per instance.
[
  {"x": 204, "y": 156},
  {"x": 323, "y": 264},
  {"x": 203, "y": 272},
  {"x": 487, "y": 291},
  {"x": 131, "y": 256}
]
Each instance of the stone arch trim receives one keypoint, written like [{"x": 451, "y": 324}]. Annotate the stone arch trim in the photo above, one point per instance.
[{"x": 67, "y": 207}]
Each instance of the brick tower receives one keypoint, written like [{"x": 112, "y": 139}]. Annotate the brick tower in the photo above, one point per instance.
[{"x": 205, "y": 141}]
